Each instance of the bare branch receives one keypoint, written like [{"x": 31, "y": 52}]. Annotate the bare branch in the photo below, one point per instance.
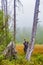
[{"x": 20, "y": 2}]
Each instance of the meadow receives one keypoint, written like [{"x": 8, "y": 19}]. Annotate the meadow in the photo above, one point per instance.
[
  {"x": 37, "y": 49},
  {"x": 36, "y": 58}
]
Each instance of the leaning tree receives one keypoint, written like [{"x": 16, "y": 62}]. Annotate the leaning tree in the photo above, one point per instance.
[{"x": 34, "y": 29}]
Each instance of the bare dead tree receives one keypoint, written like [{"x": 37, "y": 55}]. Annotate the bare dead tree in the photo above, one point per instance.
[
  {"x": 6, "y": 19},
  {"x": 15, "y": 17},
  {"x": 3, "y": 9},
  {"x": 34, "y": 29},
  {"x": 5, "y": 16}
]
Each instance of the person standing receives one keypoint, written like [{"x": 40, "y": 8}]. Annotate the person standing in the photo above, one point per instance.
[{"x": 25, "y": 45}]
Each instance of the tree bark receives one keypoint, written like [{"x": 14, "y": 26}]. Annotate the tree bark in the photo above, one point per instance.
[
  {"x": 34, "y": 29},
  {"x": 10, "y": 50},
  {"x": 14, "y": 20}
]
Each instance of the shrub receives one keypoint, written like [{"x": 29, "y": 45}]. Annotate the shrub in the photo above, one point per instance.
[{"x": 1, "y": 57}]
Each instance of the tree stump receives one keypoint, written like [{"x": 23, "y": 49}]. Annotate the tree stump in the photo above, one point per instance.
[{"x": 10, "y": 50}]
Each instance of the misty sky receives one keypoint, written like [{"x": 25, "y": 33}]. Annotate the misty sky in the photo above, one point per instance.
[
  {"x": 25, "y": 18},
  {"x": 25, "y": 15}
]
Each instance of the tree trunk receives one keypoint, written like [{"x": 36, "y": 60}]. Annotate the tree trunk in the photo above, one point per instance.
[
  {"x": 10, "y": 50},
  {"x": 5, "y": 17},
  {"x": 14, "y": 20},
  {"x": 34, "y": 29}
]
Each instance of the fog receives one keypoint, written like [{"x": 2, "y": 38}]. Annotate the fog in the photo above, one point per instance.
[{"x": 25, "y": 14}]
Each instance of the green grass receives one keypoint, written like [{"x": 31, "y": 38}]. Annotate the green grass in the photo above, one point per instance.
[{"x": 35, "y": 60}]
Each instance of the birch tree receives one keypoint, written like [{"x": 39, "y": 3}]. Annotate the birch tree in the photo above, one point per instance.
[{"x": 34, "y": 29}]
